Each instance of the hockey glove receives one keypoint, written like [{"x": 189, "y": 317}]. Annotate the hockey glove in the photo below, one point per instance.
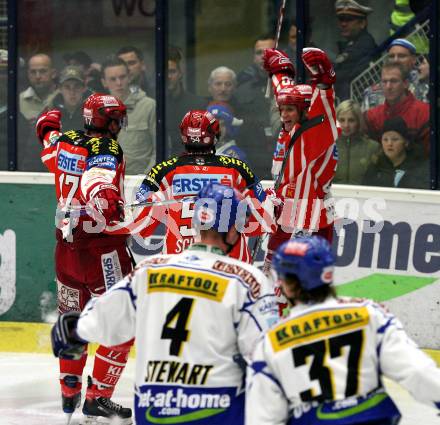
[
  {"x": 276, "y": 202},
  {"x": 272, "y": 195},
  {"x": 143, "y": 193},
  {"x": 109, "y": 204},
  {"x": 275, "y": 61},
  {"x": 48, "y": 121},
  {"x": 65, "y": 343},
  {"x": 319, "y": 66}
]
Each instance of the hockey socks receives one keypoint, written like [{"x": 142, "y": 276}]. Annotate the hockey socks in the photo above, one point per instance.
[
  {"x": 71, "y": 375},
  {"x": 108, "y": 367}
]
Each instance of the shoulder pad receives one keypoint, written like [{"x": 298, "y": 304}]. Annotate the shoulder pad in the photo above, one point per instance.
[
  {"x": 236, "y": 163},
  {"x": 160, "y": 169},
  {"x": 72, "y": 135},
  {"x": 251, "y": 280},
  {"x": 103, "y": 145}
]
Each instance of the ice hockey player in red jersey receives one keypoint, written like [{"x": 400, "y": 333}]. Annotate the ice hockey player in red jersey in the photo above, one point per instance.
[
  {"x": 183, "y": 176},
  {"x": 310, "y": 165},
  {"x": 89, "y": 170},
  {"x": 196, "y": 317}
]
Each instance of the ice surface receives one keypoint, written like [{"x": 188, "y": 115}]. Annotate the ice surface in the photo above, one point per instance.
[{"x": 29, "y": 393}]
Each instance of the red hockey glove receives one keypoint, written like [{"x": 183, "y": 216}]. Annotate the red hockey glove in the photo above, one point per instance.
[
  {"x": 110, "y": 205},
  {"x": 319, "y": 65},
  {"x": 276, "y": 202},
  {"x": 277, "y": 61},
  {"x": 48, "y": 121},
  {"x": 272, "y": 195}
]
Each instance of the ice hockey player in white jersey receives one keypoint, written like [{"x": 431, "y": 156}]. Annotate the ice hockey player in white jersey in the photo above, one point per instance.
[
  {"x": 196, "y": 317},
  {"x": 324, "y": 363}
]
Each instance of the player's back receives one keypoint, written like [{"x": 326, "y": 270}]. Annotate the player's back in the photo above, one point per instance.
[
  {"x": 203, "y": 312},
  {"x": 329, "y": 352},
  {"x": 68, "y": 162},
  {"x": 183, "y": 177},
  {"x": 69, "y": 158}
]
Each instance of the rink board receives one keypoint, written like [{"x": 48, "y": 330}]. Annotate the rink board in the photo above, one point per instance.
[{"x": 387, "y": 246}]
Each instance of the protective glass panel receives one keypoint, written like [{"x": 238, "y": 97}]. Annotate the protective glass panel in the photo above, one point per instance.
[
  {"x": 381, "y": 89},
  {"x": 55, "y": 34},
  {"x": 3, "y": 85},
  {"x": 215, "y": 63}
]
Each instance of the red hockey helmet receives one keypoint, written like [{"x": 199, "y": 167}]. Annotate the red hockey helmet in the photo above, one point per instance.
[
  {"x": 99, "y": 110},
  {"x": 199, "y": 129},
  {"x": 299, "y": 95}
]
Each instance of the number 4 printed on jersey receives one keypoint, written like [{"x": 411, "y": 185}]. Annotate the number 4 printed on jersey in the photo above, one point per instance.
[{"x": 175, "y": 326}]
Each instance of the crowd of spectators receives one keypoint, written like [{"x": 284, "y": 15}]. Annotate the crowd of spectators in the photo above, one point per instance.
[
  {"x": 249, "y": 118},
  {"x": 355, "y": 149},
  {"x": 385, "y": 139},
  {"x": 122, "y": 75},
  {"x": 138, "y": 138}
]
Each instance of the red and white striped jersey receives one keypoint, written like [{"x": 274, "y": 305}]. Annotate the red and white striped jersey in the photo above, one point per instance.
[
  {"x": 311, "y": 164},
  {"x": 183, "y": 176}
]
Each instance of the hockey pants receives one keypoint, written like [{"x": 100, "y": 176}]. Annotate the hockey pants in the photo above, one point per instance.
[{"x": 84, "y": 275}]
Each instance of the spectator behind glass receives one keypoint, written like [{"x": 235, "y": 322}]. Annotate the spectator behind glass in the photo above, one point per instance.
[
  {"x": 229, "y": 131},
  {"x": 255, "y": 71},
  {"x": 256, "y": 135},
  {"x": 355, "y": 149},
  {"x": 399, "y": 101},
  {"x": 423, "y": 68},
  {"x": 423, "y": 71},
  {"x": 73, "y": 93},
  {"x": 138, "y": 138},
  {"x": 222, "y": 83},
  {"x": 355, "y": 51},
  {"x": 403, "y": 12},
  {"x": 91, "y": 70},
  {"x": 178, "y": 100},
  {"x": 137, "y": 68},
  {"x": 292, "y": 38},
  {"x": 399, "y": 164},
  {"x": 32, "y": 101},
  {"x": 291, "y": 44},
  {"x": 404, "y": 52}
]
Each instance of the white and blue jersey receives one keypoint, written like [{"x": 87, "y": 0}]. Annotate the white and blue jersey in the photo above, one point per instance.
[
  {"x": 324, "y": 363},
  {"x": 196, "y": 317}
]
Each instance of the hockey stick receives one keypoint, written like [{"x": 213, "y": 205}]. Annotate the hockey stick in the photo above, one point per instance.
[
  {"x": 82, "y": 210},
  {"x": 160, "y": 203},
  {"x": 277, "y": 39},
  {"x": 307, "y": 125},
  {"x": 173, "y": 201}
]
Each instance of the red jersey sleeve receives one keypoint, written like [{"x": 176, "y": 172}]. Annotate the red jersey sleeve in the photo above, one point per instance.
[{"x": 49, "y": 153}]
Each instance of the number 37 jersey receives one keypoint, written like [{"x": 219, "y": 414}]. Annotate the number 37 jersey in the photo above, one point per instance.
[
  {"x": 196, "y": 317},
  {"x": 323, "y": 365}
]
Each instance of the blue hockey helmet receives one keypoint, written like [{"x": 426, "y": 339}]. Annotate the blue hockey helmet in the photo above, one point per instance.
[
  {"x": 219, "y": 207},
  {"x": 309, "y": 258},
  {"x": 222, "y": 111}
]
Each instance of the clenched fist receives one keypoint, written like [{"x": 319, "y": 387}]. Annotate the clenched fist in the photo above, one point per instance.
[
  {"x": 319, "y": 66},
  {"x": 110, "y": 205},
  {"x": 275, "y": 60},
  {"x": 48, "y": 121}
]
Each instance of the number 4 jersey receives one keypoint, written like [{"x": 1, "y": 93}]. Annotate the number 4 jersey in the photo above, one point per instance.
[
  {"x": 323, "y": 365},
  {"x": 196, "y": 317}
]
